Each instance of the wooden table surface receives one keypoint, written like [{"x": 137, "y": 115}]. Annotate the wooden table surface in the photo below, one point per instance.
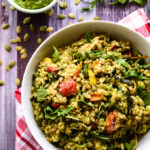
[{"x": 14, "y": 18}]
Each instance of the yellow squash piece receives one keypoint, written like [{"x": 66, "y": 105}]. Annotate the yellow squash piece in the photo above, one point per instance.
[
  {"x": 92, "y": 77},
  {"x": 48, "y": 60}
]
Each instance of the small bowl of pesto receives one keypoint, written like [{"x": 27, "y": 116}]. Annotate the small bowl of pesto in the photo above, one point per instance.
[{"x": 32, "y": 6}]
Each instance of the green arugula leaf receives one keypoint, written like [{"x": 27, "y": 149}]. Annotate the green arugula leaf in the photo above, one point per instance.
[
  {"x": 140, "y": 2},
  {"x": 113, "y": 55},
  {"x": 88, "y": 37},
  {"x": 122, "y": 1},
  {"x": 55, "y": 55},
  {"x": 131, "y": 73},
  {"x": 145, "y": 96},
  {"x": 93, "y": 3},
  {"x": 134, "y": 74},
  {"x": 41, "y": 94},
  {"x": 123, "y": 62},
  {"x": 50, "y": 114},
  {"x": 131, "y": 145},
  {"x": 63, "y": 112},
  {"x": 99, "y": 136}
]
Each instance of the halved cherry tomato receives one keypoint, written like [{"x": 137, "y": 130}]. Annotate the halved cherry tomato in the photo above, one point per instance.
[
  {"x": 55, "y": 105},
  {"x": 78, "y": 70},
  {"x": 111, "y": 122},
  {"x": 97, "y": 97},
  {"x": 51, "y": 69},
  {"x": 67, "y": 88}
]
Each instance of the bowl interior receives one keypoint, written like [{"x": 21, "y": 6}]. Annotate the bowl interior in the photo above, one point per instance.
[
  {"x": 32, "y": 11},
  {"x": 66, "y": 36}
]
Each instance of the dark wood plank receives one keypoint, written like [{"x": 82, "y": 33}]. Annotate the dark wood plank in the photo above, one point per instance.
[{"x": 7, "y": 100}]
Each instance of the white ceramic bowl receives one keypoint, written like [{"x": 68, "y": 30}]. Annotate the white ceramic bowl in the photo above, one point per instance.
[
  {"x": 32, "y": 11},
  {"x": 65, "y": 36}
]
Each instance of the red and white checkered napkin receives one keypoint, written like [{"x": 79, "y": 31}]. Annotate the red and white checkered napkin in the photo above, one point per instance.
[{"x": 24, "y": 140}]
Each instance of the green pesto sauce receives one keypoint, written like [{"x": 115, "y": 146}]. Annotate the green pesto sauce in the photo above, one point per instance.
[{"x": 33, "y": 4}]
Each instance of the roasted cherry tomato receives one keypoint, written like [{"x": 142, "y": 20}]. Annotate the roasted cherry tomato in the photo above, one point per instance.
[
  {"x": 111, "y": 122},
  {"x": 67, "y": 88},
  {"x": 51, "y": 69},
  {"x": 55, "y": 105}
]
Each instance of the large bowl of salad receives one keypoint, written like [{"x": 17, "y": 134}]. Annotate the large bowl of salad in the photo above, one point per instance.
[{"x": 89, "y": 91}]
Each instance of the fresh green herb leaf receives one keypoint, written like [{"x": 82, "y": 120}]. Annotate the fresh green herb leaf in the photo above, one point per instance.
[
  {"x": 113, "y": 55},
  {"x": 55, "y": 55},
  {"x": 53, "y": 76},
  {"x": 63, "y": 112},
  {"x": 131, "y": 145},
  {"x": 97, "y": 135},
  {"x": 134, "y": 74},
  {"x": 122, "y": 1},
  {"x": 50, "y": 75},
  {"x": 50, "y": 114},
  {"x": 131, "y": 73},
  {"x": 41, "y": 94},
  {"x": 88, "y": 37},
  {"x": 144, "y": 95},
  {"x": 140, "y": 2},
  {"x": 123, "y": 62}
]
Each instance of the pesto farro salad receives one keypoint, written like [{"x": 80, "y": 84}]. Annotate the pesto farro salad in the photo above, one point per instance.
[{"x": 93, "y": 94}]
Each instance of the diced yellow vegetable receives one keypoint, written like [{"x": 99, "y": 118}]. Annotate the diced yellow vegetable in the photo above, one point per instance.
[
  {"x": 49, "y": 60},
  {"x": 92, "y": 77}
]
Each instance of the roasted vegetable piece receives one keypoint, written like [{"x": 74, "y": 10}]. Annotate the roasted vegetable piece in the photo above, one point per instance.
[
  {"x": 78, "y": 70},
  {"x": 92, "y": 77},
  {"x": 111, "y": 122},
  {"x": 97, "y": 97},
  {"x": 51, "y": 69},
  {"x": 67, "y": 88}
]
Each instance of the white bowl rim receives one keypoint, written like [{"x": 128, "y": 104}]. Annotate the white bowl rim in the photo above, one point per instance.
[
  {"x": 31, "y": 128},
  {"x": 32, "y": 11}
]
